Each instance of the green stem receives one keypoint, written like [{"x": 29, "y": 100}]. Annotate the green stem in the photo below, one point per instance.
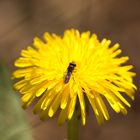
[{"x": 73, "y": 127}]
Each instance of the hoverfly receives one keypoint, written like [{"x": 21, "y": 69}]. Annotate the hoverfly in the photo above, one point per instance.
[{"x": 70, "y": 69}]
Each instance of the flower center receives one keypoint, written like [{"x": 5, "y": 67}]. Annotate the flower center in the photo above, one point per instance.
[{"x": 70, "y": 69}]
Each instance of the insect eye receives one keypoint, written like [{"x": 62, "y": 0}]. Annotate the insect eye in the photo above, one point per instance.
[{"x": 72, "y": 64}]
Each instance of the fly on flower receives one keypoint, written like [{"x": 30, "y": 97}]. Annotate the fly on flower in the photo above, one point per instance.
[{"x": 68, "y": 68}]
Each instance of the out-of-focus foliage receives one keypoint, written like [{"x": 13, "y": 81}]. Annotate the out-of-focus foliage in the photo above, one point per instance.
[{"x": 13, "y": 122}]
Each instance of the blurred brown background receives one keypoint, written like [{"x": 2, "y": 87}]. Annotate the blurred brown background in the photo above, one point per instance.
[{"x": 118, "y": 20}]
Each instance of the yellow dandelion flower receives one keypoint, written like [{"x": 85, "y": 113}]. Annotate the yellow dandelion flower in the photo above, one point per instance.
[{"x": 64, "y": 69}]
